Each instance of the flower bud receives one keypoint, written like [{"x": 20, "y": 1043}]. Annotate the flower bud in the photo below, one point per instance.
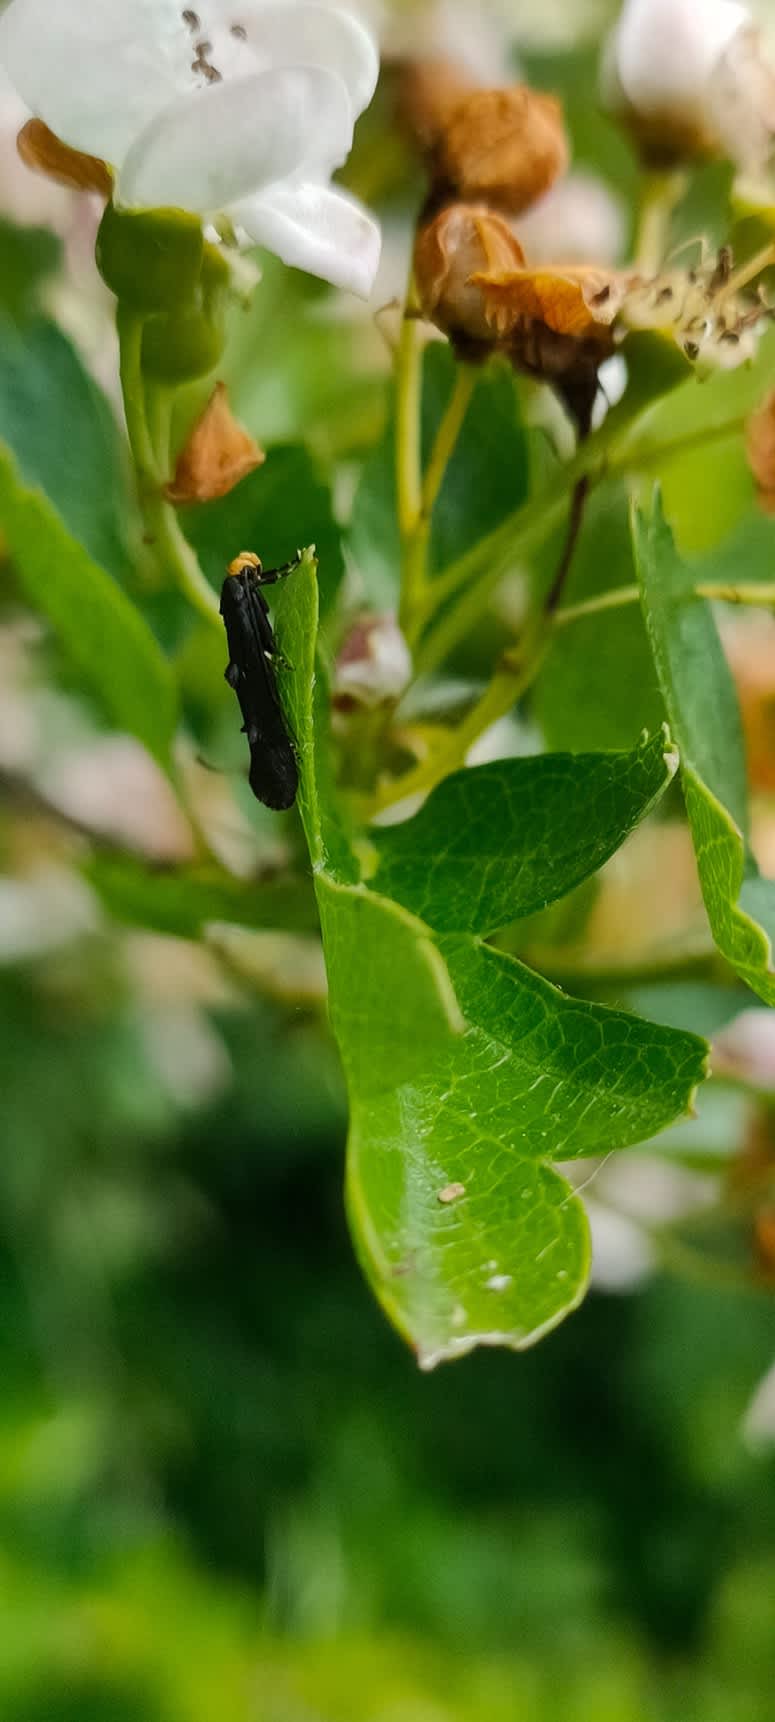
[
  {"x": 217, "y": 455},
  {"x": 186, "y": 342},
  {"x": 150, "y": 258},
  {"x": 505, "y": 147},
  {"x": 374, "y": 665},
  {"x": 689, "y": 79},
  {"x": 180, "y": 346},
  {"x": 462, "y": 242},
  {"x": 428, "y": 93}
]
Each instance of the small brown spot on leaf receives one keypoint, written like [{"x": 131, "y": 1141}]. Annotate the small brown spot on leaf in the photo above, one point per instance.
[{"x": 451, "y": 1193}]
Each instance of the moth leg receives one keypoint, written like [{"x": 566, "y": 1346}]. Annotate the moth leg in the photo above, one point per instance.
[
  {"x": 270, "y": 576},
  {"x": 278, "y": 660}
]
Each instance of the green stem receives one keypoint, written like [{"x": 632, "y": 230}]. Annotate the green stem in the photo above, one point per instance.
[
  {"x": 614, "y": 600},
  {"x": 164, "y": 531},
  {"x": 746, "y": 593},
  {"x": 130, "y": 339},
  {"x": 151, "y": 455},
  {"x": 159, "y": 403},
  {"x": 466, "y": 377},
  {"x": 513, "y": 677},
  {"x": 760, "y": 593},
  {"x": 660, "y": 194},
  {"x": 414, "y": 585},
  {"x": 408, "y": 427},
  {"x": 474, "y": 575}
]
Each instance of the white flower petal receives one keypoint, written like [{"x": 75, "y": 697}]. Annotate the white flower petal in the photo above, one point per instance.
[
  {"x": 208, "y": 151},
  {"x": 317, "y": 228},
  {"x": 665, "y": 51},
  {"x": 305, "y": 34},
  {"x": 96, "y": 71}
]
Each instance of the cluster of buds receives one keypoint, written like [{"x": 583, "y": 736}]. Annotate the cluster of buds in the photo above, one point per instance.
[
  {"x": 491, "y": 156},
  {"x": 555, "y": 322}
]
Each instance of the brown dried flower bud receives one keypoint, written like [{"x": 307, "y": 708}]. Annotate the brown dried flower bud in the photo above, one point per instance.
[
  {"x": 428, "y": 93},
  {"x": 462, "y": 242},
  {"x": 218, "y": 454},
  {"x": 506, "y": 147},
  {"x": 41, "y": 150},
  {"x": 557, "y": 325},
  {"x": 760, "y": 449}
]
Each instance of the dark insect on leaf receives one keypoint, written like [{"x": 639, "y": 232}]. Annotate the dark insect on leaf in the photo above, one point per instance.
[{"x": 274, "y": 775}]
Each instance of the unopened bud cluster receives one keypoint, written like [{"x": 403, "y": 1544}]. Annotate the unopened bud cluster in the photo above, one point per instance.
[{"x": 490, "y": 153}]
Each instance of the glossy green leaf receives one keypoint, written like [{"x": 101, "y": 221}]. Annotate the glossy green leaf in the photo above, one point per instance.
[
  {"x": 705, "y": 719},
  {"x": 100, "y": 631},
  {"x": 486, "y": 478},
  {"x": 467, "y": 1075},
  {"x": 504, "y": 840},
  {"x": 282, "y": 505},
  {"x": 65, "y": 439}
]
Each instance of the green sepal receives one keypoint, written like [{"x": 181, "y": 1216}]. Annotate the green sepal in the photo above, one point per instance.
[{"x": 152, "y": 259}]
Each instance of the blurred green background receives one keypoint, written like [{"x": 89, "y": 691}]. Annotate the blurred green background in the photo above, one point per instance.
[
  {"x": 225, "y": 1490},
  {"x": 226, "y": 1493}
]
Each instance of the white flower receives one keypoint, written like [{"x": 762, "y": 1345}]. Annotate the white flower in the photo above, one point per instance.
[
  {"x": 241, "y": 108},
  {"x": 692, "y": 75}
]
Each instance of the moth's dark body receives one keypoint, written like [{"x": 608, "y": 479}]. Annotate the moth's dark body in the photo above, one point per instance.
[{"x": 274, "y": 776}]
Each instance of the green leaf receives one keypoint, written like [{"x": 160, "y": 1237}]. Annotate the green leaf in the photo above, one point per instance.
[
  {"x": 486, "y": 478},
  {"x": 597, "y": 687},
  {"x": 467, "y": 1075},
  {"x": 65, "y": 439},
  {"x": 466, "y": 1232},
  {"x": 27, "y": 256},
  {"x": 704, "y": 717},
  {"x": 101, "y": 632},
  {"x": 500, "y": 841},
  {"x": 282, "y": 505}
]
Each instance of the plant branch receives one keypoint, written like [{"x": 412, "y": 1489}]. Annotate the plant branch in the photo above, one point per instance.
[
  {"x": 148, "y": 419},
  {"x": 661, "y": 193},
  {"x": 408, "y": 427},
  {"x": 514, "y": 675}
]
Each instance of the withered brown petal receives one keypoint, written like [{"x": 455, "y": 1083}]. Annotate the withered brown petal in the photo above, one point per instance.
[
  {"x": 218, "y": 454},
  {"x": 580, "y": 301},
  {"x": 41, "y": 150}
]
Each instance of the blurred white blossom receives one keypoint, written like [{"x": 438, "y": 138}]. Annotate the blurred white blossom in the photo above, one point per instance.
[
  {"x": 237, "y": 108},
  {"x": 692, "y": 78},
  {"x": 580, "y": 220},
  {"x": 476, "y": 39}
]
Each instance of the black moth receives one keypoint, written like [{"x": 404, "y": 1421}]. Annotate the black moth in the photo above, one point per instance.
[{"x": 274, "y": 775}]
